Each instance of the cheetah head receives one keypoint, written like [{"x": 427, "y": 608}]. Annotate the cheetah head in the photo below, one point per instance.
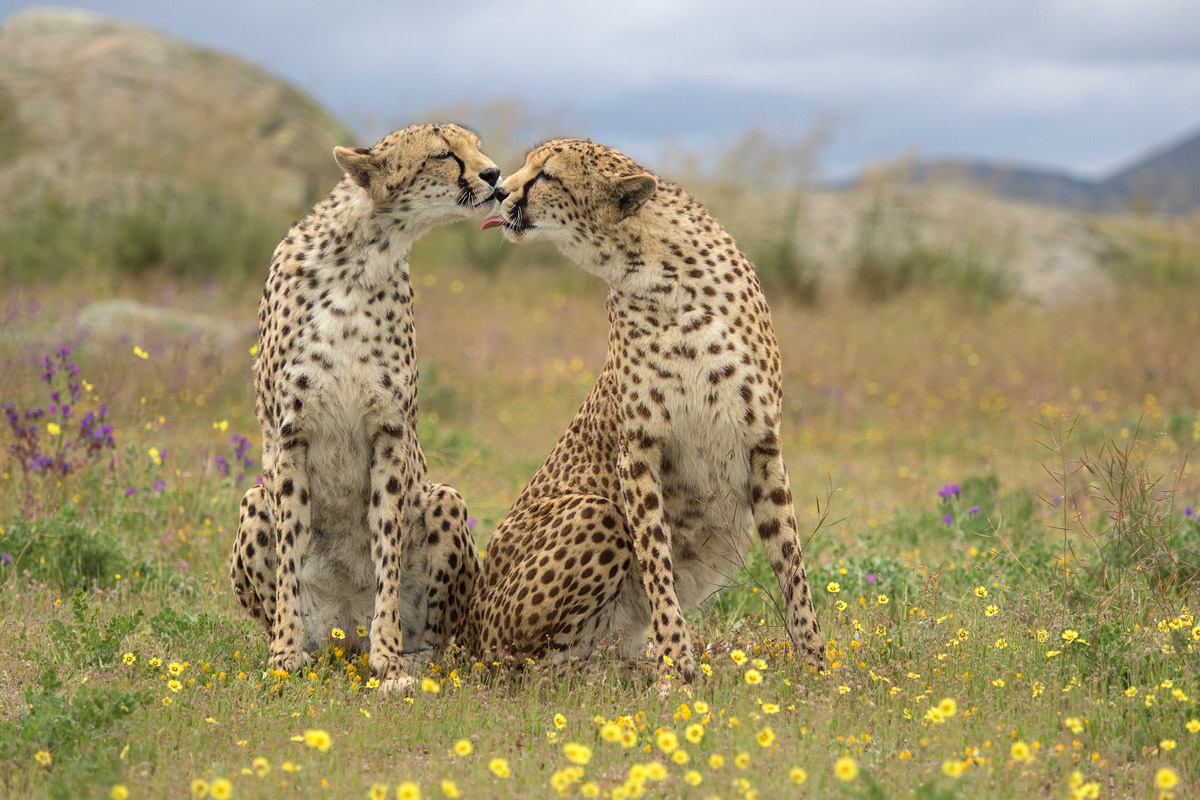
[
  {"x": 573, "y": 192},
  {"x": 430, "y": 174}
]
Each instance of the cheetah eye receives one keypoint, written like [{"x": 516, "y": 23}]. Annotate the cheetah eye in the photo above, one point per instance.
[{"x": 442, "y": 156}]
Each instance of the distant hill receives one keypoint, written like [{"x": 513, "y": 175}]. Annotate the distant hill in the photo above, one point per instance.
[
  {"x": 98, "y": 114},
  {"x": 1166, "y": 181}
]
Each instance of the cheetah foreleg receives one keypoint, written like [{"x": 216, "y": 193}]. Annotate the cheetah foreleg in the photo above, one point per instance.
[
  {"x": 293, "y": 533},
  {"x": 775, "y": 518},
  {"x": 394, "y": 497},
  {"x": 638, "y": 466}
]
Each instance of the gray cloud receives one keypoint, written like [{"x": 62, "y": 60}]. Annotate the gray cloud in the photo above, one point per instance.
[{"x": 1084, "y": 84}]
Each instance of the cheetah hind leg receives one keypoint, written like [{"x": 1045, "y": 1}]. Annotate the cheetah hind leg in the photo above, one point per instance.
[
  {"x": 254, "y": 560},
  {"x": 569, "y": 585},
  {"x": 441, "y": 564}
]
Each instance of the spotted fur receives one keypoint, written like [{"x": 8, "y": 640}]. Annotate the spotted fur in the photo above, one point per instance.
[
  {"x": 345, "y": 530},
  {"x": 646, "y": 505}
]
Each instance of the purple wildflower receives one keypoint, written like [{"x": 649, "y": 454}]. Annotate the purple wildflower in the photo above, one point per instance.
[
  {"x": 949, "y": 490},
  {"x": 973, "y": 510},
  {"x": 131, "y": 491},
  {"x": 159, "y": 485},
  {"x": 1188, "y": 511},
  {"x": 870, "y": 577},
  {"x": 472, "y": 522},
  {"x": 948, "y": 519},
  {"x": 5, "y": 559}
]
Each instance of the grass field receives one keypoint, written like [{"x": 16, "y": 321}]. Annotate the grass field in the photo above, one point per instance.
[{"x": 998, "y": 499}]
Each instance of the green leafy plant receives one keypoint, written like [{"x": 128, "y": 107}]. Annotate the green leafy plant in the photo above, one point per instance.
[{"x": 87, "y": 641}]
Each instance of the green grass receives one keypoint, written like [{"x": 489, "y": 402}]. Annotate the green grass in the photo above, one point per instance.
[{"x": 1068, "y": 431}]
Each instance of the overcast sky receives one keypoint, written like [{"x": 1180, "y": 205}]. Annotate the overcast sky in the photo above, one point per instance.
[{"x": 1081, "y": 85}]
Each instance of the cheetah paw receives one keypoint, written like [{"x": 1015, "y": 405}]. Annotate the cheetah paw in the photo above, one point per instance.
[
  {"x": 401, "y": 684},
  {"x": 289, "y": 661}
]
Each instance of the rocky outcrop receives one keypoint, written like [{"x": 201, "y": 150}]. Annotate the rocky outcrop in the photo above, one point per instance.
[{"x": 97, "y": 113}]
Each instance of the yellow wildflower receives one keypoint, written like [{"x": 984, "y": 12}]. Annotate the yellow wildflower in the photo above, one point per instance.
[
  {"x": 318, "y": 739},
  {"x": 845, "y": 769},
  {"x": 499, "y": 767},
  {"x": 577, "y": 753},
  {"x": 1166, "y": 778}
]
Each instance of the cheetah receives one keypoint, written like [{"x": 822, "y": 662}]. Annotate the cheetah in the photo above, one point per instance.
[
  {"x": 645, "y": 506},
  {"x": 345, "y": 531}
]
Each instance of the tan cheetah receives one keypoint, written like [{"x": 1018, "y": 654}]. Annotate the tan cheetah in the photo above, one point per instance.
[
  {"x": 345, "y": 532},
  {"x": 646, "y": 505}
]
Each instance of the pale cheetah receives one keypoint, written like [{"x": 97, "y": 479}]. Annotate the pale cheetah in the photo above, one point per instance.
[
  {"x": 645, "y": 506},
  {"x": 345, "y": 532}
]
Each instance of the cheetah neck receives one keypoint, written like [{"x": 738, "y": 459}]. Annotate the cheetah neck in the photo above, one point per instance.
[
  {"x": 657, "y": 263},
  {"x": 359, "y": 242}
]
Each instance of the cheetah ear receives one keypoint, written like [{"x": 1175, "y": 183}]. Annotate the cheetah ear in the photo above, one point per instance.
[
  {"x": 633, "y": 191},
  {"x": 359, "y": 163}
]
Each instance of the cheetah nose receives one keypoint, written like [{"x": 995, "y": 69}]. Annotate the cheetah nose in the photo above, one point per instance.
[
  {"x": 500, "y": 194},
  {"x": 490, "y": 175}
]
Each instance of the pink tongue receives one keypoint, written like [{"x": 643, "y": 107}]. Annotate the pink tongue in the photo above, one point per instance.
[{"x": 492, "y": 222}]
